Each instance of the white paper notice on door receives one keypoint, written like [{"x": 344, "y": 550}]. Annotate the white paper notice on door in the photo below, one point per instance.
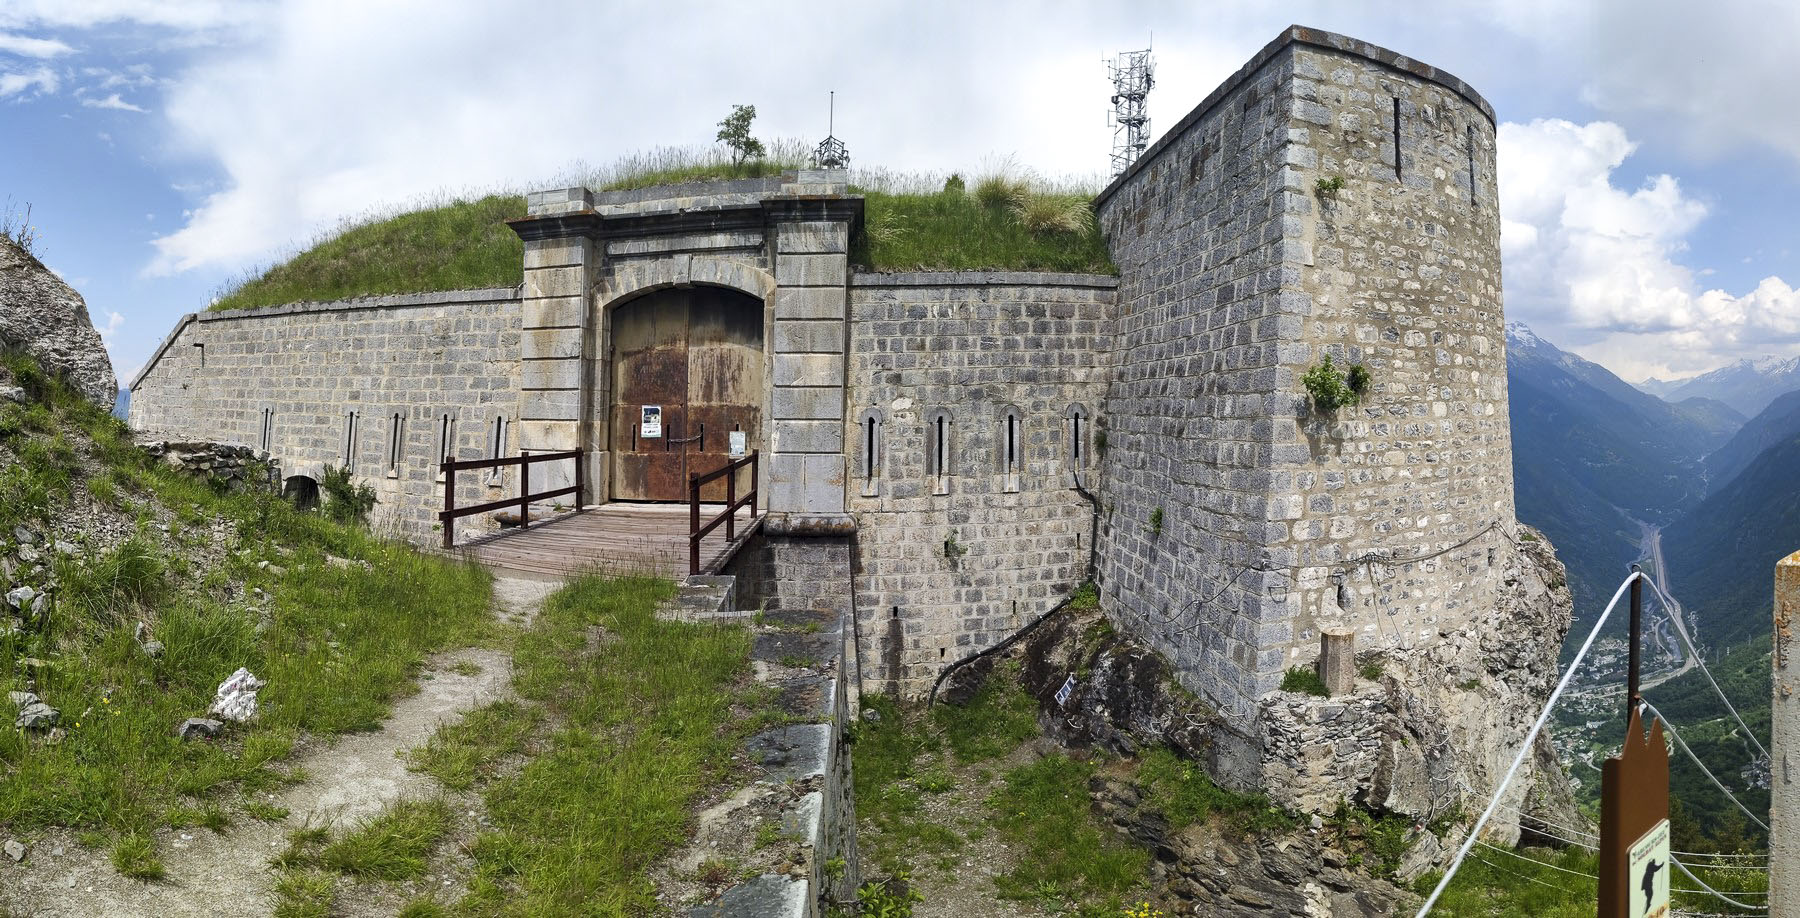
[
  {"x": 737, "y": 443},
  {"x": 651, "y": 426}
]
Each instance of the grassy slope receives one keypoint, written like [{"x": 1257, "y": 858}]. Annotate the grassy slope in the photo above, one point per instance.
[
  {"x": 457, "y": 246},
  {"x": 466, "y": 244},
  {"x": 341, "y": 643},
  {"x": 638, "y": 717}
]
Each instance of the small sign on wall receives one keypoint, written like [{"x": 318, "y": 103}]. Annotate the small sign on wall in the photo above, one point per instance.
[
  {"x": 1062, "y": 694},
  {"x": 651, "y": 425},
  {"x": 738, "y": 441}
]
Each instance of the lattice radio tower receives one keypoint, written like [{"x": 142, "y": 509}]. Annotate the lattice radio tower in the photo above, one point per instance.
[{"x": 1133, "y": 74}]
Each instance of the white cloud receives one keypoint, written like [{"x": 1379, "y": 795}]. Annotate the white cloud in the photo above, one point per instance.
[
  {"x": 177, "y": 14},
  {"x": 26, "y": 46},
  {"x": 113, "y": 102},
  {"x": 43, "y": 78},
  {"x": 1600, "y": 264},
  {"x": 337, "y": 110},
  {"x": 109, "y": 331}
]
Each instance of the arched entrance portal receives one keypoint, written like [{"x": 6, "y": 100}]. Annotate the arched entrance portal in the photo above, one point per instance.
[{"x": 687, "y": 374}]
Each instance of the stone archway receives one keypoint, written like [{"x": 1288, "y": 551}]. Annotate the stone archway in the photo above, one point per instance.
[{"x": 688, "y": 388}]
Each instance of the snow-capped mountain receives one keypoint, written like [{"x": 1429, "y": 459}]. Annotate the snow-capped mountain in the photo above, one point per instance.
[{"x": 1748, "y": 385}]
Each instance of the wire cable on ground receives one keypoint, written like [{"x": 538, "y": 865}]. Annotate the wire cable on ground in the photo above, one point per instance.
[
  {"x": 1670, "y": 606},
  {"x": 1670, "y": 728},
  {"x": 1525, "y": 747}
]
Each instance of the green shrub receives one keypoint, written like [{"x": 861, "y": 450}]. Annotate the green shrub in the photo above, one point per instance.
[
  {"x": 1330, "y": 390},
  {"x": 346, "y": 501},
  {"x": 1303, "y": 679}
]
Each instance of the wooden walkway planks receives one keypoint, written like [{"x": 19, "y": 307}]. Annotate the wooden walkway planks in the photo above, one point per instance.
[{"x": 617, "y": 538}]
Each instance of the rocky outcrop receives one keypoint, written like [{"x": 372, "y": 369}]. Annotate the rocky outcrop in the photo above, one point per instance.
[
  {"x": 44, "y": 317},
  {"x": 1423, "y": 738}
]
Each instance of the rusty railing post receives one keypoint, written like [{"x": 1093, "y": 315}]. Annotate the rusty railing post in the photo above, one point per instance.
[
  {"x": 580, "y": 494},
  {"x": 731, "y": 505},
  {"x": 449, "y": 504},
  {"x": 755, "y": 493},
  {"x": 524, "y": 490},
  {"x": 693, "y": 524}
]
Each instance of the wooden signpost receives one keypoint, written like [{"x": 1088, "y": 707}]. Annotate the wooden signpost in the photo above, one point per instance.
[{"x": 1634, "y": 809}]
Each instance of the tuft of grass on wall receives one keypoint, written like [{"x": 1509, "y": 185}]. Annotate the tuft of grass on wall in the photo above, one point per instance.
[{"x": 1001, "y": 230}]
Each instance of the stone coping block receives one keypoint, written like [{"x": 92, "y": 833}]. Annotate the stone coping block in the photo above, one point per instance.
[
  {"x": 981, "y": 279},
  {"x": 767, "y": 896}
]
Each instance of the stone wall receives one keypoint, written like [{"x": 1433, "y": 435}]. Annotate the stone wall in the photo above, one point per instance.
[
  {"x": 950, "y": 563},
  {"x": 1239, "y": 271},
  {"x": 284, "y": 381}
]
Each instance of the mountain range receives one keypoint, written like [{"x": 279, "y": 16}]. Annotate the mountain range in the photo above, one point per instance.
[
  {"x": 1597, "y": 463},
  {"x": 1748, "y": 386}
]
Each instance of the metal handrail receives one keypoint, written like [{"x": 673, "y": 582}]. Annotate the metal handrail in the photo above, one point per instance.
[
  {"x": 728, "y": 516},
  {"x": 451, "y": 512}
]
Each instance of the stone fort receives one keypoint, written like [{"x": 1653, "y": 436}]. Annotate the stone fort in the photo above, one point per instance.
[{"x": 952, "y": 454}]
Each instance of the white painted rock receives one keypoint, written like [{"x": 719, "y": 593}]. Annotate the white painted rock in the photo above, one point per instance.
[{"x": 236, "y": 699}]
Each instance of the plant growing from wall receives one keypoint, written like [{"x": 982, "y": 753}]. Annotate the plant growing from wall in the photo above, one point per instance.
[
  {"x": 1100, "y": 442},
  {"x": 1329, "y": 187},
  {"x": 1156, "y": 521},
  {"x": 734, "y": 133},
  {"x": 952, "y": 548},
  {"x": 1330, "y": 390},
  {"x": 346, "y": 500}
]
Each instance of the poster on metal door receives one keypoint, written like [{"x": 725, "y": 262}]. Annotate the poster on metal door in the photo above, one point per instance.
[
  {"x": 737, "y": 443},
  {"x": 651, "y": 426},
  {"x": 1648, "y": 867}
]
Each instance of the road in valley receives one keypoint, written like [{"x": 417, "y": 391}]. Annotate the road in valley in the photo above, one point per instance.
[{"x": 1651, "y": 547}]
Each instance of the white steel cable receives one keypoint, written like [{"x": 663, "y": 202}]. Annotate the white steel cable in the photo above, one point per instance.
[
  {"x": 1719, "y": 895},
  {"x": 1670, "y": 729},
  {"x": 1669, "y": 605},
  {"x": 1525, "y": 748}
]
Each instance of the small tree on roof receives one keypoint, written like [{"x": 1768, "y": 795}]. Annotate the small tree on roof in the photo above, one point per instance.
[{"x": 734, "y": 132}]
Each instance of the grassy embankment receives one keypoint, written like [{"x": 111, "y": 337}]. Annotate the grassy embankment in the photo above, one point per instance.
[
  {"x": 911, "y": 223},
  {"x": 337, "y": 644},
  {"x": 589, "y": 777}
]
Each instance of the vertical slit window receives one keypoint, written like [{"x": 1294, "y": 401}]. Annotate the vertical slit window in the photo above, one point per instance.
[
  {"x": 1471, "y": 146},
  {"x": 268, "y": 429},
  {"x": 394, "y": 440},
  {"x": 938, "y": 433},
  {"x": 870, "y": 432},
  {"x": 869, "y": 447},
  {"x": 1396, "y": 137},
  {"x": 497, "y": 447},
  {"x": 350, "y": 440}
]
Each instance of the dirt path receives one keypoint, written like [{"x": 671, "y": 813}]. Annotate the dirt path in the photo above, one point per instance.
[{"x": 211, "y": 874}]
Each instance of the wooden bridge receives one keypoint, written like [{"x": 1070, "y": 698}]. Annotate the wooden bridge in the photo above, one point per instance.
[
  {"x": 663, "y": 540},
  {"x": 616, "y": 538}
]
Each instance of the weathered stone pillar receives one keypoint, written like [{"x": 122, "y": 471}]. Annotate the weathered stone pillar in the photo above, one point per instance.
[
  {"x": 1784, "y": 746},
  {"x": 811, "y": 222},
  {"x": 555, "y": 346},
  {"x": 1337, "y": 660}
]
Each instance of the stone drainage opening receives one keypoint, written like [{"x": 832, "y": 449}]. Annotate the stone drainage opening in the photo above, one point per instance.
[{"x": 302, "y": 491}]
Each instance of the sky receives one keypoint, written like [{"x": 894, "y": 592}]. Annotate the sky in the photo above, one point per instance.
[{"x": 1649, "y": 156}]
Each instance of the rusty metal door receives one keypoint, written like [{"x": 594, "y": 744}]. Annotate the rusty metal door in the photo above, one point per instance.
[{"x": 697, "y": 355}]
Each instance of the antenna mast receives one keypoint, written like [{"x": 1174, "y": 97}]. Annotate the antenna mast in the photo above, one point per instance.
[
  {"x": 1133, "y": 74},
  {"x": 831, "y": 153}
]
